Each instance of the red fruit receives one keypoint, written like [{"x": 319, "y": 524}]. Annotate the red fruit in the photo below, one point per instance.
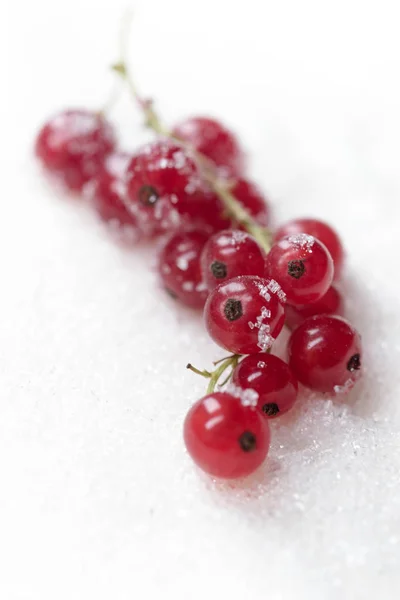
[
  {"x": 325, "y": 354},
  {"x": 253, "y": 200},
  {"x": 162, "y": 181},
  {"x": 179, "y": 268},
  {"x": 320, "y": 230},
  {"x": 206, "y": 211},
  {"x": 73, "y": 145},
  {"x": 209, "y": 212},
  {"x": 328, "y": 304},
  {"x": 224, "y": 438},
  {"x": 108, "y": 190},
  {"x": 213, "y": 140},
  {"x": 302, "y": 266},
  {"x": 245, "y": 314},
  {"x": 271, "y": 379},
  {"x": 228, "y": 254}
]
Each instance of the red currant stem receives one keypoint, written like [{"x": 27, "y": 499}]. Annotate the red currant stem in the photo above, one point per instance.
[
  {"x": 214, "y": 376},
  {"x": 261, "y": 234},
  {"x": 152, "y": 120},
  {"x": 227, "y": 378},
  {"x": 232, "y": 361},
  {"x": 203, "y": 373},
  {"x": 218, "y": 362}
]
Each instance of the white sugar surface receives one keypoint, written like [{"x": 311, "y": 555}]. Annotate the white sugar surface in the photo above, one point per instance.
[{"x": 98, "y": 498}]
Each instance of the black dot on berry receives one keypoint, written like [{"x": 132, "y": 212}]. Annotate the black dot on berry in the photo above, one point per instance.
[
  {"x": 354, "y": 363},
  {"x": 271, "y": 409},
  {"x": 233, "y": 309},
  {"x": 218, "y": 269},
  {"x": 171, "y": 294},
  {"x": 296, "y": 268},
  {"x": 148, "y": 195},
  {"x": 247, "y": 441}
]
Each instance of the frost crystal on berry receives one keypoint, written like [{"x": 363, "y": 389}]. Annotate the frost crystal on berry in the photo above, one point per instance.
[
  {"x": 275, "y": 288},
  {"x": 264, "y": 291},
  {"x": 346, "y": 387},
  {"x": 247, "y": 397},
  {"x": 302, "y": 240},
  {"x": 265, "y": 339},
  {"x": 238, "y": 237}
]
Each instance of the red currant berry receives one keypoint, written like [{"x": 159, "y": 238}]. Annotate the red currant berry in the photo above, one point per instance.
[
  {"x": 228, "y": 254},
  {"x": 108, "y": 190},
  {"x": 213, "y": 140},
  {"x": 253, "y": 201},
  {"x": 320, "y": 230},
  {"x": 162, "y": 180},
  {"x": 327, "y": 305},
  {"x": 245, "y": 314},
  {"x": 271, "y": 379},
  {"x": 302, "y": 266},
  {"x": 206, "y": 211},
  {"x": 225, "y": 438},
  {"x": 179, "y": 268},
  {"x": 73, "y": 145},
  {"x": 325, "y": 354}
]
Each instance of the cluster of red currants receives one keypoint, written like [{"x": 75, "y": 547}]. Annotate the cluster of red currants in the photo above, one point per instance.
[{"x": 189, "y": 184}]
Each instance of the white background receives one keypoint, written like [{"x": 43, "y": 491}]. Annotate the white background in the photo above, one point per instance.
[{"x": 98, "y": 499}]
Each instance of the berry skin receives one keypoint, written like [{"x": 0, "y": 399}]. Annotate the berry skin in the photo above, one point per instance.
[
  {"x": 325, "y": 354},
  {"x": 213, "y": 140},
  {"x": 320, "y": 230},
  {"x": 225, "y": 438},
  {"x": 72, "y": 146},
  {"x": 273, "y": 381},
  {"x": 162, "y": 182},
  {"x": 179, "y": 268},
  {"x": 253, "y": 201},
  {"x": 228, "y": 254},
  {"x": 108, "y": 190},
  {"x": 245, "y": 314},
  {"x": 206, "y": 211},
  {"x": 327, "y": 305},
  {"x": 211, "y": 214},
  {"x": 302, "y": 266}
]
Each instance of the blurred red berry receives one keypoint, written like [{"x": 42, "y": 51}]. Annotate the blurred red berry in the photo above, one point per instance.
[
  {"x": 328, "y": 304},
  {"x": 213, "y": 140},
  {"x": 179, "y": 268},
  {"x": 108, "y": 190},
  {"x": 73, "y": 144}
]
